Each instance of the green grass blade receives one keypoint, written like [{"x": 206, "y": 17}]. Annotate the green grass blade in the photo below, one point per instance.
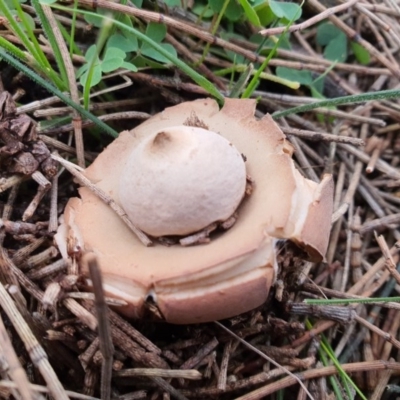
[
  {"x": 73, "y": 26},
  {"x": 352, "y": 99},
  {"x": 320, "y": 302},
  {"x": 16, "y": 51},
  {"x": 29, "y": 36},
  {"x": 326, "y": 347},
  {"x": 16, "y": 28},
  {"x": 52, "y": 89},
  {"x": 213, "y": 32},
  {"x": 105, "y": 32},
  {"x": 52, "y": 40},
  {"x": 199, "y": 79},
  {"x": 21, "y": 55},
  {"x": 241, "y": 82},
  {"x": 343, "y": 374},
  {"x": 332, "y": 379},
  {"x": 256, "y": 78}
]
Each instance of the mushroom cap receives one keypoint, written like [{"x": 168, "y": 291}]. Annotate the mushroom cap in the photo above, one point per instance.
[
  {"x": 181, "y": 179},
  {"x": 232, "y": 273}
]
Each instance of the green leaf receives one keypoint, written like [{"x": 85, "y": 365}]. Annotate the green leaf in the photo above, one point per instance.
[
  {"x": 215, "y": 5},
  {"x": 10, "y": 3},
  {"x": 137, "y": 3},
  {"x": 234, "y": 11},
  {"x": 234, "y": 57},
  {"x": 288, "y": 11},
  {"x": 318, "y": 85},
  {"x": 113, "y": 52},
  {"x": 91, "y": 52},
  {"x": 129, "y": 66},
  {"x": 294, "y": 75},
  {"x": 46, "y": 2},
  {"x": 316, "y": 93},
  {"x": 121, "y": 42},
  {"x": 111, "y": 64},
  {"x": 336, "y": 50},
  {"x": 265, "y": 14},
  {"x": 362, "y": 55},
  {"x": 29, "y": 20},
  {"x": 173, "y": 3},
  {"x": 156, "y": 32},
  {"x": 95, "y": 20},
  {"x": 199, "y": 79},
  {"x": 326, "y": 32},
  {"x": 203, "y": 10},
  {"x": 82, "y": 69},
  {"x": 96, "y": 76},
  {"x": 250, "y": 13},
  {"x": 150, "y": 52}
]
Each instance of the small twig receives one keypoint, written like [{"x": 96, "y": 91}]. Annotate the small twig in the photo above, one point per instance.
[
  {"x": 191, "y": 374},
  {"x": 35, "y": 350},
  {"x": 15, "y": 370},
  {"x": 24, "y": 252},
  {"x": 13, "y": 180},
  {"x": 43, "y": 389},
  {"x": 107, "y": 117},
  {"x": 389, "y": 262},
  {"x": 90, "y": 296},
  {"x": 70, "y": 71},
  {"x": 81, "y": 313},
  {"x": 224, "y": 366},
  {"x": 33, "y": 205},
  {"x": 53, "y": 219},
  {"x": 380, "y": 388},
  {"x": 198, "y": 357},
  {"x": 106, "y": 344},
  {"x": 8, "y": 209},
  {"x": 384, "y": 222},
  {"x": 353, "y": 35},
  {"x": 133, "y": 333},
  {"x": 342, "y": 315},
  {"x": 73, "y": 169},
  {"x": 53, "y": 268},
  {"x": 261, "y": 354},
  {"x": 386, "y": 336},
  {"x": 321, "y": 136},
  {"x": 168, "y": 388},
  {"x": 309, "y": 22},
  {"x": 317, "y": 373}
]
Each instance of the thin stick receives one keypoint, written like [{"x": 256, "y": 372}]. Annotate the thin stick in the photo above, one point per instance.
[
  {"x": 15, "y": 370},
  {"x": 43, "y": 389},
  {"x": 309, "y": 22},
  {"x": 322, "y": 136},
  {"x": 191, "y": 374},
  {"x": 224, "y": 366},
  {"x": 317, "y": 373},
  {"x": 106, "y": 344},
  {"x": 389, "y": 262},
  {"x": 70, "y": 71},
  {"x": 353, "y": 35},
  {"x": 385, "y": 221},
  {"x": 73, "y": 169},
  {"x": 35, "y": 350},
  {"x": 386, "y": 336},
  {"x": 263, "y": 355},
  {"x": 53, "y": 219}
]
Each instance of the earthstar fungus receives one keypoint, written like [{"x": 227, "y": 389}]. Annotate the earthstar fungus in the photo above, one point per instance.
[{"x": 173, "y": 156}]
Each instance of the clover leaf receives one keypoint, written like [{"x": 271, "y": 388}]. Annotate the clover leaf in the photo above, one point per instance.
[
  {"x": 157, "y": 33},
  {"x": 113, "y": 59},
  {"x": 285, "y": 10},
  {"x": 334, "y": 40}
]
